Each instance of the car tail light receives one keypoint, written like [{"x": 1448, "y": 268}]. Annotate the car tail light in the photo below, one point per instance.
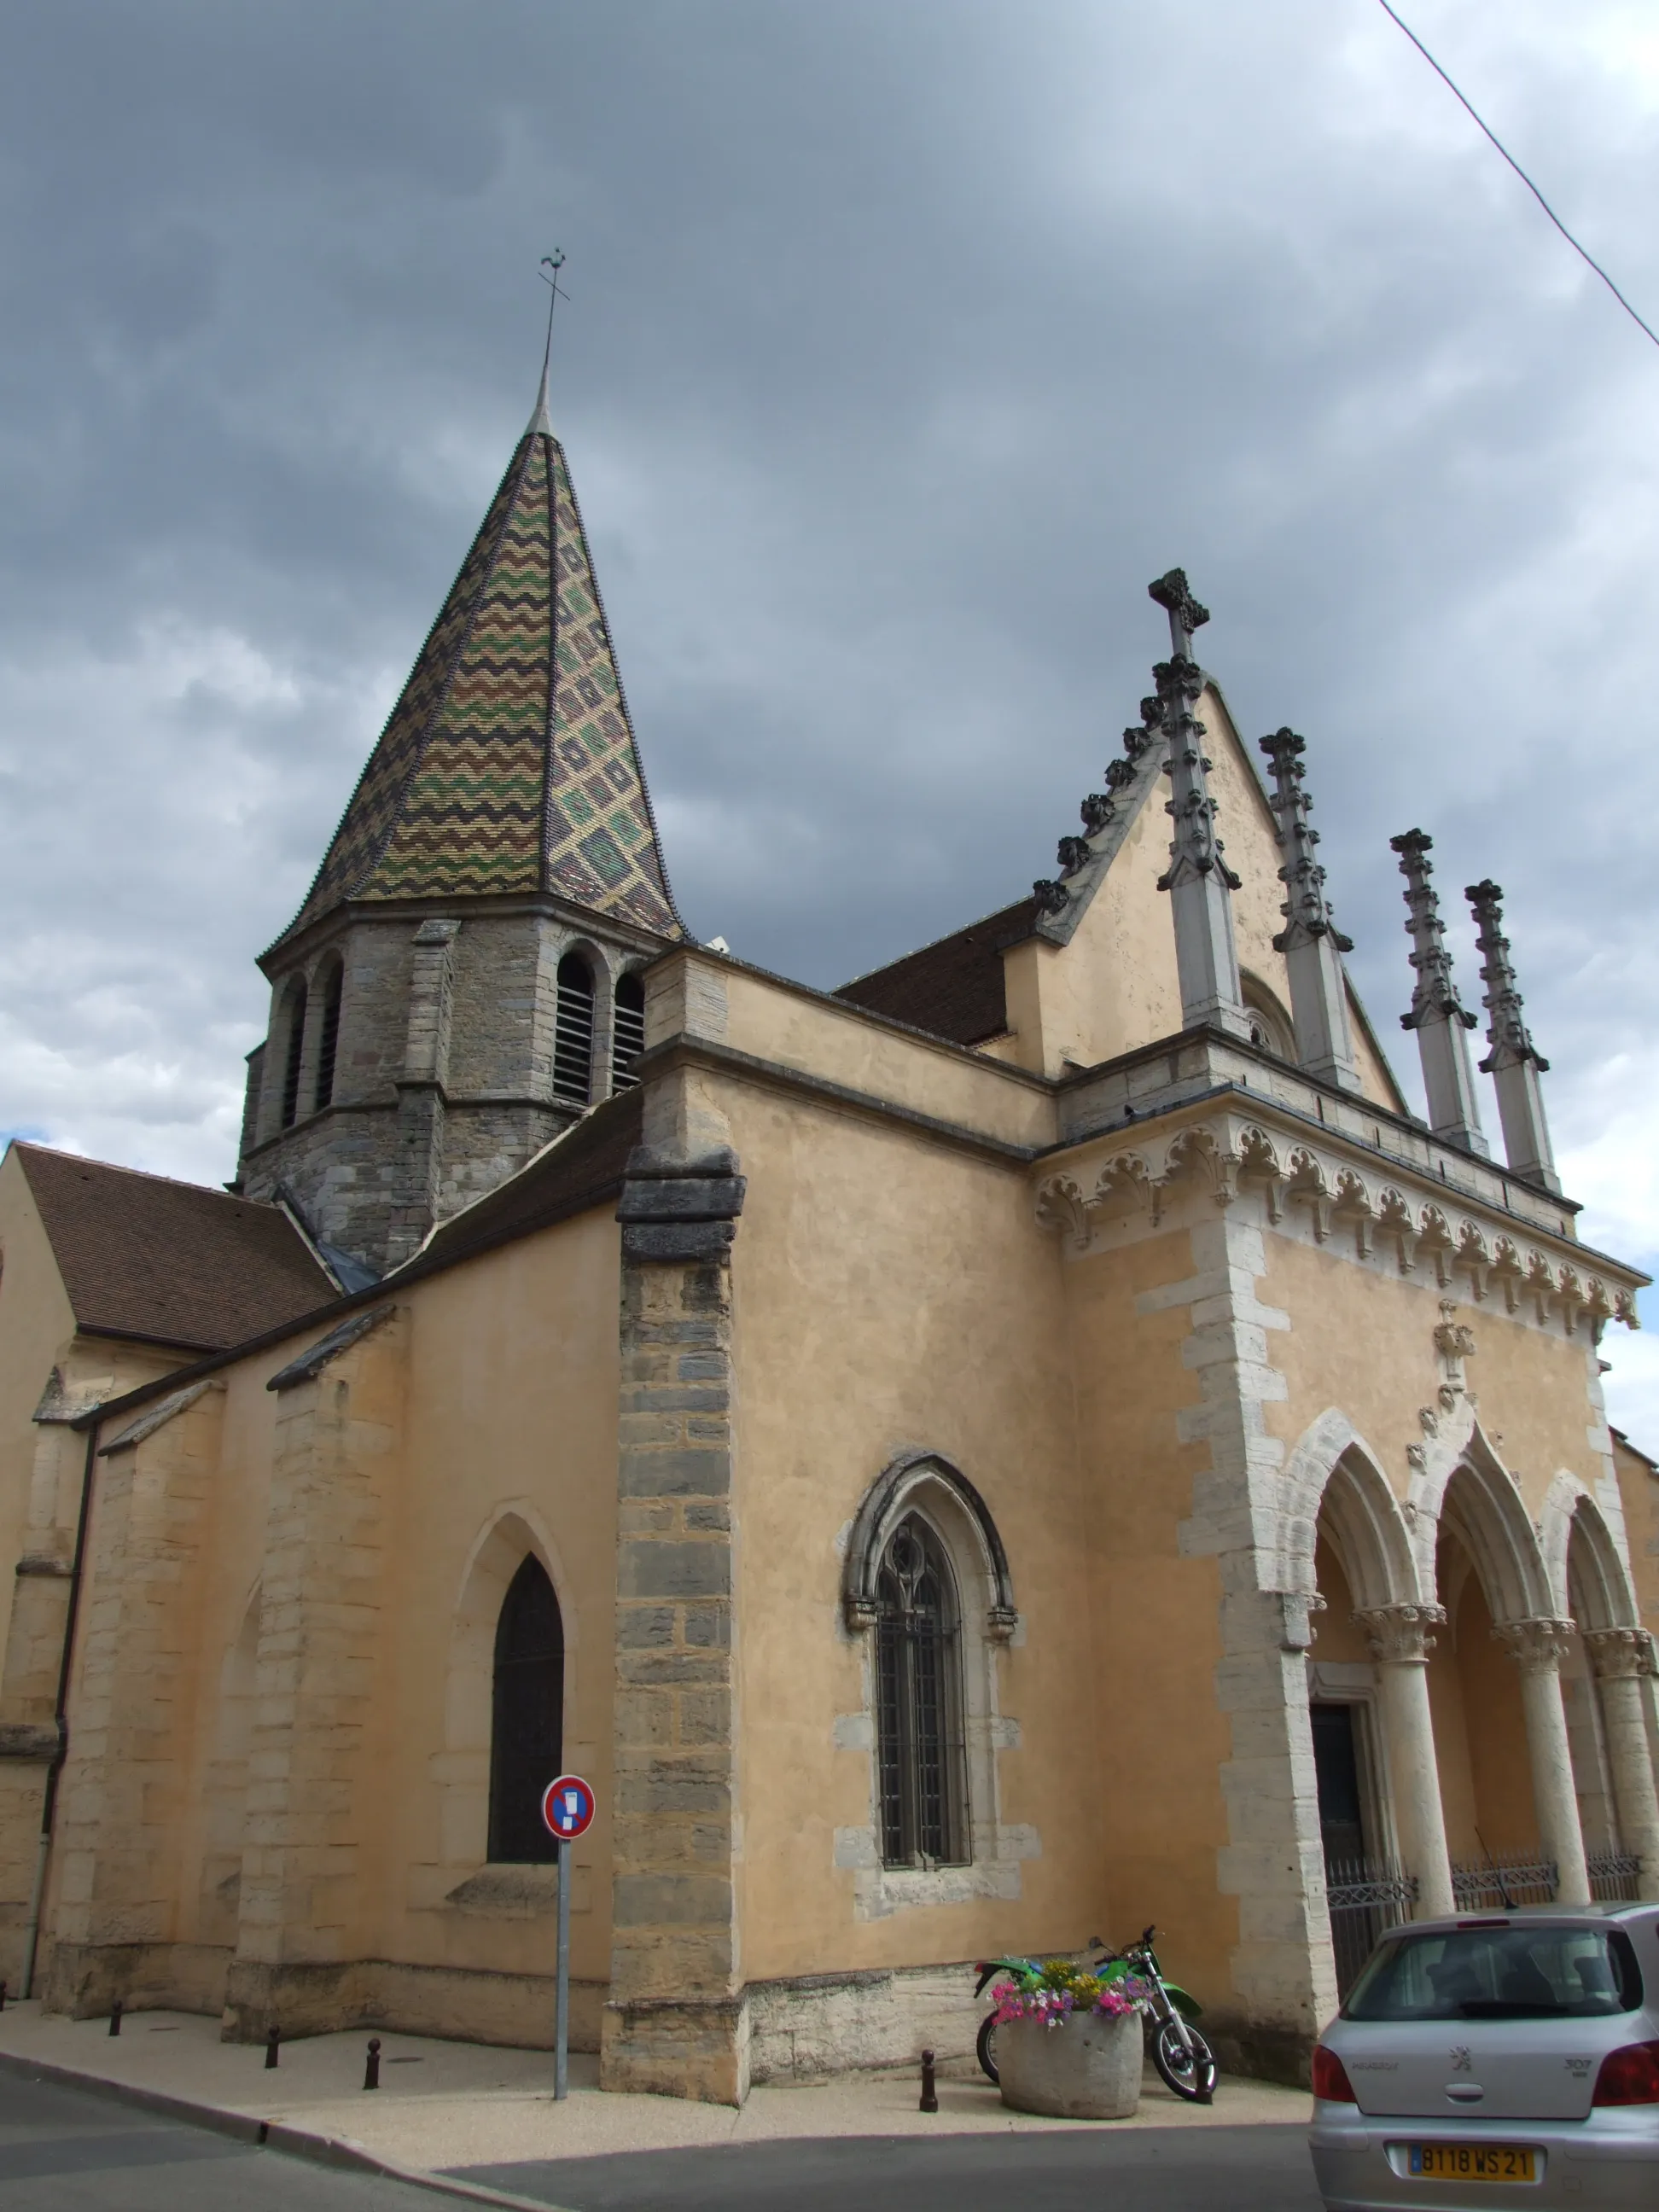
[
  {"x": 1629, "y": 2075},
  {"x": 1331, "y": 2083}
]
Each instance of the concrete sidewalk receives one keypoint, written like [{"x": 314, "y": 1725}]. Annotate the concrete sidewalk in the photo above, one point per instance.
[{"x": 446, "y": 2105}]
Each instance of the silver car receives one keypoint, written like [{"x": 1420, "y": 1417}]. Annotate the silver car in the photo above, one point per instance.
[{"x": 1500, "y": 2059}]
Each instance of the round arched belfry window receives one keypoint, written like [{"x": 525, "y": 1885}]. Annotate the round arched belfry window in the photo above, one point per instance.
[{"x": 919, "y": 1712}]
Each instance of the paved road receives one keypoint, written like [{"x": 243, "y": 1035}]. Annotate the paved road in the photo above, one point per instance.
[
  {"x": 70, "y": 2150},
  {"x": 1210, "y": 2169}
]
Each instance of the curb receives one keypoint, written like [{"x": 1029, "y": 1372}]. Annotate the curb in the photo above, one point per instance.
[{"x": 337, "y": 2151}]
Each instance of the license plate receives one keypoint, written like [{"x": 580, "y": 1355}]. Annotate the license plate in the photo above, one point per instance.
[{"x": 1444, "y": 2162}]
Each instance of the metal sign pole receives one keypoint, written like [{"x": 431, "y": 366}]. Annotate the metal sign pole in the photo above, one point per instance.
[{"x": 561, "y": 2028}]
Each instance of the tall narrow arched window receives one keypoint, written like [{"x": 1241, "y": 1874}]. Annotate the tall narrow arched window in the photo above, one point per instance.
[
  {"x": 572, "y": 1032},
  {"x": 296, "y": 1045},
  {"x": 328, "y": 1041},
  {"x": 918, "y": 1712},
  {"x": 628, "y": 1032},
  {"x": 526, "y": 1740}
]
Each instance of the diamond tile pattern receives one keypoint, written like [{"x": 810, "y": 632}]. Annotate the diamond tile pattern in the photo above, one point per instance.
[{"x": 475, "y": 785}]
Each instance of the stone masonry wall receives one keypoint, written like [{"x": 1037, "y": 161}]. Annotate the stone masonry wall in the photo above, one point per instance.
[{"x": 676, "y": 2023}]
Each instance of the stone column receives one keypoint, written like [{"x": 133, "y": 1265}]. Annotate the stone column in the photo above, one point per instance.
[
  {"x": 1623, "y": 1659},
  {"x": 420, "y": 1089},
  {"x": 1436, "y": 1013},
  {"x": 1401, "y": 1643},
  {"x": 1537, "y": 1647},
  {"x": 676, "y": 2023}
]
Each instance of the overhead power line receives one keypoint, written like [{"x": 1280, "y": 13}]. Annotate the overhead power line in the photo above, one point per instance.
[{"x": 1584, "y": 256}]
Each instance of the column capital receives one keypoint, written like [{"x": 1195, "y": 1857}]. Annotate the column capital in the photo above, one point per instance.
[
  {"x": 1400, "y": 1635},
  {"x": 1537, "y": 1646},
  {"x": 1620, "y": 1654}
]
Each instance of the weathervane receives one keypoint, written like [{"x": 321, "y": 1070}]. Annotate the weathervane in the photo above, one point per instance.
[{"x": 548, "y": 272}]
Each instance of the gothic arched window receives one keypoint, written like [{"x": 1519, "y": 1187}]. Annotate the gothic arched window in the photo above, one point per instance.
[
  {"x": 919, "y": 1713},
  {"x": 572, "y": 1032},
  {"x": 527, "y": 1739},
  {"x": 328, "y": 1041},
  {"x": 628, "y": 1032},
  {"x": 296, "y": 1045}
]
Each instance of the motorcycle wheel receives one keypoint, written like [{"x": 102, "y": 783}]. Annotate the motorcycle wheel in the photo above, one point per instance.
[
  {"x": 986, "y": 2047},
  {"x": 1190, "y": 2074}
]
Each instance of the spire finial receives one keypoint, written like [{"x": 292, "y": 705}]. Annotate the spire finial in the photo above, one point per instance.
[
  {"x": 1311, "y": 941},
  {"x": 1515, "y": 1062},
  {"x": 1437, "y": 1014},
  {"x": 551, "y": 265}
]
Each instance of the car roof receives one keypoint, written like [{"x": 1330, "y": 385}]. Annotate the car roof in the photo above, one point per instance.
[{"x": 1559, "y": 1915}]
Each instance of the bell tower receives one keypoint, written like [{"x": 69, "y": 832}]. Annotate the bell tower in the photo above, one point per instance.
[{"x": 463, "y": 978}]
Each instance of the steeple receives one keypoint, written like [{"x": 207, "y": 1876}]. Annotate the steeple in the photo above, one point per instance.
[
  {"x": 1515, "y": 1063},
  {"x": 1436, "y": 1013},
  {"x": 1198, "y": 881},
  {"x": 1312, "y": 944},
  {"x": 509, "y": 762}
]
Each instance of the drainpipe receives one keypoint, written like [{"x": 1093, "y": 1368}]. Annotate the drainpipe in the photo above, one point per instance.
[{"x": 54, "y": 1772}]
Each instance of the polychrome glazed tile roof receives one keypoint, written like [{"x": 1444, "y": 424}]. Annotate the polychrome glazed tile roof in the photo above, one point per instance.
[{"x": 480, "y": 782}]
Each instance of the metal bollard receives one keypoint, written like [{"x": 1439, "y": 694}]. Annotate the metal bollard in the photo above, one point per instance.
[
  {"x": 372, "y": 2071},
  {"x": 929, "y": 2092},
  {"x": 115, "y": 2017},
  {"x": 271, "y": 2041}
]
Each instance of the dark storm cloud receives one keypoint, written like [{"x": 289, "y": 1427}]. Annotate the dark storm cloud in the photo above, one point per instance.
[{"x": 904, "y": 345}]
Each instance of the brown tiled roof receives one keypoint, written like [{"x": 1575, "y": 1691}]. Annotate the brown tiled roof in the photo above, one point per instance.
[
  {"x": 954, "y": 988},
  {"x": 583, "y": 1169},
  {"x": 171, "y": 1262}
]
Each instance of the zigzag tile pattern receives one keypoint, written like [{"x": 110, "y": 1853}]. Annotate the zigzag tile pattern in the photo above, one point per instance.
[{"x": 480, "y": 782}]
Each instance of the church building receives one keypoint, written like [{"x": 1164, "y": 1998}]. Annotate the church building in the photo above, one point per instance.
[{"x": 1040, "y": 1440}]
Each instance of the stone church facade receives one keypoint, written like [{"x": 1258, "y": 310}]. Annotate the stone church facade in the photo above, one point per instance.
[{"x": 1039, "y": 1441}]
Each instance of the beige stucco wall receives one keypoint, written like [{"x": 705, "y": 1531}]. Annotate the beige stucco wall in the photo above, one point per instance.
[
  {"x": 37, "y": 1330},
  {"x": 891, "y": 1295},
  {"x": 498, "y": 1404}
]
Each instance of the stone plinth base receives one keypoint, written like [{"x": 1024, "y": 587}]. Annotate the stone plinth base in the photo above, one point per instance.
[
  {"x": 1088, "y": 2068},
  {"x": 662, "y": 2048}
]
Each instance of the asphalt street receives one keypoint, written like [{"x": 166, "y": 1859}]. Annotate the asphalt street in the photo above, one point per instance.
[
  {"x": 69, "y": 2150},
  {"x": 73, "y": 2150},
  {"x": 1211, "y": 2169}
]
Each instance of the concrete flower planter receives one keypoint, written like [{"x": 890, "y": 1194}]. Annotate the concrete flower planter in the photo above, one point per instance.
[{"x": 1089, "y": 2068}]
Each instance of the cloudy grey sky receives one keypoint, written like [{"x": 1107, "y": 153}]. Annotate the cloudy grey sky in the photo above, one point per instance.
[{"x": 908, "y": 338}]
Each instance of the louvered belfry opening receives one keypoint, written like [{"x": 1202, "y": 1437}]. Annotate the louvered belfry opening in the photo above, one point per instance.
[
  {"x": 919, "y": 1702},
  {"x": 628, "y": 1031},
  {"x": 527, "y": 1743},
  {"x": 296, "y": 1045},
  {"x": 572, "y": 1032},
  {"x": 328, "y": 1041}
]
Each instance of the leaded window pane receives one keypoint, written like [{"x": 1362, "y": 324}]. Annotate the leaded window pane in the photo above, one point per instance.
[{"x": 919, "y": 1724}]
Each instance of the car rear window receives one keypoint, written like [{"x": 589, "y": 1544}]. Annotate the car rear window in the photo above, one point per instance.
[{"x": 1499, "y": 1971}]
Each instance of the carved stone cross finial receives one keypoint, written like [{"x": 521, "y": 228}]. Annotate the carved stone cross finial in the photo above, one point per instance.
[
  {"x": 1437, "y": 1012},
  {"x": 1514, "y": 1062},
  {"x": 1173, "y": 593}
]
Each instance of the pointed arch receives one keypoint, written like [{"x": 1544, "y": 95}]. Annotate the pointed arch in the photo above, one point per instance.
[
  {"x": 1478, "y": 1503},
  {"x": 926, "y": 1480},
  {"x": 1593, "y": 1585},
  {"x": 1332, "y": 1470}
]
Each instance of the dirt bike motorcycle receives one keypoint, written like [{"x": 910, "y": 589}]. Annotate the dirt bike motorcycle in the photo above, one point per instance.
[{"x": 1180, "y": 2053}]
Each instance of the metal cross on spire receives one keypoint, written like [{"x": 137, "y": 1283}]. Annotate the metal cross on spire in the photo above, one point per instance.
[{"x": 551, "y": 265}]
